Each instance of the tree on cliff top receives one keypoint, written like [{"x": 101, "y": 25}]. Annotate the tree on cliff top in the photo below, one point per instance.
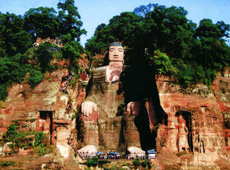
[
  {"x": 44, "y": 22},
  {"x": 13, "y": 38},
  {"x": 126, "y": 28},
  {"x": 211, "y": 50},
  {"x": 17, "y": 33},
  {"x": 70, "y": 23},
  {"x": 194, "y": 53},
  {"x": 70, "y": 30},
  {"x": 41, "y": 22},
  {"x": 166, "y": 29}
]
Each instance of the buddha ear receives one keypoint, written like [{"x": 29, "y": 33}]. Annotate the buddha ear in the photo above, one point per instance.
[{"x": 106, "y": 59}]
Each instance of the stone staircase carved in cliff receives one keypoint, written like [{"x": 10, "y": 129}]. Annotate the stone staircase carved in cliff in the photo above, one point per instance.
[
  {"x": 69, "y": 106},
  {"x": 64, "y": 88},
  {"x": 70, "y": 142}
]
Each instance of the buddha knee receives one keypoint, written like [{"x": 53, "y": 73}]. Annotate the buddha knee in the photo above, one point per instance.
[{"x": 93, "y": 117}]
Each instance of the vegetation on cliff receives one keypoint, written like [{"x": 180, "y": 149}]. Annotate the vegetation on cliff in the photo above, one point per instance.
[
  {"x": 152, "y": 32},
  {"x": 18, "y": 57},
  {"x": 26, "y": 140},
  {"x": 156, "y": 37}
]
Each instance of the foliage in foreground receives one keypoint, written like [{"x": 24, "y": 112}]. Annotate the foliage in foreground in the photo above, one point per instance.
[
  {"x": 6, "y": 163},
  {"x": 145, "y": 164},
  {"x": 95, "y": 161},
  {"x": 17, "y": 140},
  {"x": 92, "y": 162}
]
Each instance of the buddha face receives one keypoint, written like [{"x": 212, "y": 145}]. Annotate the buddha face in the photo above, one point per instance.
[{"x": 116, "y": 53}]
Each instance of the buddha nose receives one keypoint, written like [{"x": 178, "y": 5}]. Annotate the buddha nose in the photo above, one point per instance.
[{"x": 115, "y": 52}]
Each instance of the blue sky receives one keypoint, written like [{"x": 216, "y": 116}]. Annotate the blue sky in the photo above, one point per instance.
[{"x": 95, "y": 12}]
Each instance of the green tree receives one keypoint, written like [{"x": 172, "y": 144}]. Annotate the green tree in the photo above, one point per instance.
[
  {"x": 3, "y": 92},
  {"x": 144, "y": 9},
  {"x": 161, "y": 63},
  {"x": 211, "y": 50},
  {"x": 92, "y": 162},
  {"x": 36, "y": 77},
  {"x": 72, "y": 50},
  {"x": 18, "y": 32},
  {"x": 10, "y": 71},
  {"x": 42, "y": 22},
  {"x": 126, "y": 28},
  {"x": 70, "y": 29},
  {"x": 170, "y": 31},
  {"x": 170, "y": 42},
  {"x": 11, "y": 133},
  {"x": 44, "y": 54},
  {"x": 70, "y": 23},
  {"x": 137, "y": 162},
  {"x": 39, "y": 138},
  {"x": 13, "y": 38}
]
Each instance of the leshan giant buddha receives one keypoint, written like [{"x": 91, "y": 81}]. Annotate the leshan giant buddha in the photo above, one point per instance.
[{"x": 113, "y": 116}]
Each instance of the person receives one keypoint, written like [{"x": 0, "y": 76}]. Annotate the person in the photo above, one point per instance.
[{"x": 111, "y": 116}]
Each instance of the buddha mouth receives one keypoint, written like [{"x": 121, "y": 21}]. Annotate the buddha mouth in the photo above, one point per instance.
[{"x": 116, "y": 60}]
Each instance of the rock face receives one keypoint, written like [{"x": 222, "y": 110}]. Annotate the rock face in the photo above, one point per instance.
[
  {"x": 49, "y": 107},
  {"x": 196, "y": 117},
  {"x": 221, "y": 89}
]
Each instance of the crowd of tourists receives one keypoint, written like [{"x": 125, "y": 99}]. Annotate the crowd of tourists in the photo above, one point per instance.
[{"x": 150, "y": 154}]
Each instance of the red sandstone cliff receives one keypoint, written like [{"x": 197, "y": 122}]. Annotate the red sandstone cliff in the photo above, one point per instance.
[
  {"x": 49, "y": 107},
  {"x": 196, "y": 115},
  {"x": 196, "y": 118}
]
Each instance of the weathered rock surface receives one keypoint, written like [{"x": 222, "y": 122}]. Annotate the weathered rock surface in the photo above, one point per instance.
[
  {"x": 50, "y": 107},
  {"x": 196, "y": 119}
]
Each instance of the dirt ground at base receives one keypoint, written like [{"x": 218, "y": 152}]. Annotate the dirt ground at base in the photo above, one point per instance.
[
  {"x": 52, "y": 162},
  {"x": 25, "y": 162}
]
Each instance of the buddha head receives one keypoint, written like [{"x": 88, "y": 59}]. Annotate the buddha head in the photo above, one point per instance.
[{"x": 116, "y": 52}]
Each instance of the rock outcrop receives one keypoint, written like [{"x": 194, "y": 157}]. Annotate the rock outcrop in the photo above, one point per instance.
[
  {"x": 197, "y": 118},
  {"x": 50, "y": 107}
]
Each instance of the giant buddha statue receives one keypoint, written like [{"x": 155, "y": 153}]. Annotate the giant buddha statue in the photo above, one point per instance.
[{"x": 113, "y": 116}]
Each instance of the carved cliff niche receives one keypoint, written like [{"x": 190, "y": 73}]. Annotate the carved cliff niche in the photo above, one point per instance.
[
  {"x": 45, "y": 122},
  {"x": 184, "y": 126}
]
